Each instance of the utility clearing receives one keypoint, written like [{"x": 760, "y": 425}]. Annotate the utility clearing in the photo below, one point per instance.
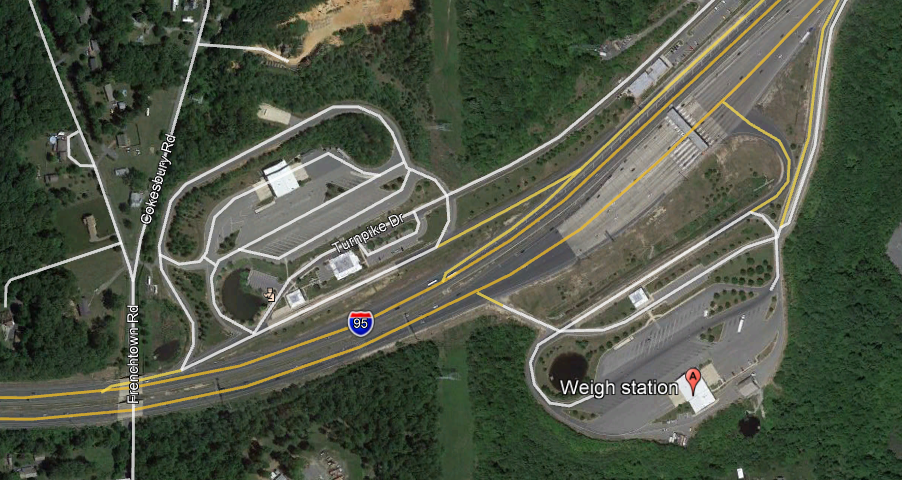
[{"x": 333, "y": 15}]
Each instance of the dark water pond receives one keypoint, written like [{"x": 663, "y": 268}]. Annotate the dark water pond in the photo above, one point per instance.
[
  {"x": 167, "y": 351},
  {"x": 749, "y": 426},
  {"x": 241, "y": 305},
  {"x": 567, "y": 366}
]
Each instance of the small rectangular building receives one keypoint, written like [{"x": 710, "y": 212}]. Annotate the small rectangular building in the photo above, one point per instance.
[
  {"x": 122, "y": 140},
  {"x": 639, "y": 297},
  {"x": 295, "y": 299},
  {"x": 135, "y": 199},
  {"x": 91, "y": 224},
  {"x": 703, "y": 397},
  {"x": 345, "y": 264},
  {"x": 648, "y": 78},
  {"x": 747, "y": 387},
  {"x": 272, "y": 114},
  {"x": 281, "y": 179},
  {"x": 108, "y": 90}
]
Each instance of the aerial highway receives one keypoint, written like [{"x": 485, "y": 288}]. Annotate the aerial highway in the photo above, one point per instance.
[{"x": 728, "y": 73}]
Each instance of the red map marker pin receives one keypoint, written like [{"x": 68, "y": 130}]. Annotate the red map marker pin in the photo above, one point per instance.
[{"x": 693, "y": 376}]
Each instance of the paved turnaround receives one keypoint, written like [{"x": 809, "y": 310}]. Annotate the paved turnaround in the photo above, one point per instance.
[{"x": 321, "y": 350}]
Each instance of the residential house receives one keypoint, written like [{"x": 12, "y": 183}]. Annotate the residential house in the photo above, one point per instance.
[
  {"x": 122, "y": 140},
  {"x": 84, "y": 308},
  {"x": 135, "y": 199},
  {"x": 7, "y": 334},
  {"x": 91, "y": 223},
  {"x": 121, "y": 172},
  {"x": 51, "y": 178},
  {"x": 28, "y": 472},
  {"x": 108, "y": 90}
]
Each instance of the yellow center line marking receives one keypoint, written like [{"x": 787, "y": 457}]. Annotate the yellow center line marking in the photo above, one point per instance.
[
  {"x": 521, "y": 202},
  {"x": 566, "y": 180},
  {"x": 461, "y": 298},
  {"x": 634, "y": 135},
  {"x": 782, "y": 147},
  {"x": 496, "y": 302},
  {"x": 648, "y": 105},
  {"x": 817, "y": 64},
  {"x": 682, "y": 73},
  {"x": 142, "y": 380}
]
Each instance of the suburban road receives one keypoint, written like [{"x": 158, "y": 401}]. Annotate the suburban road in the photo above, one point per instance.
[{"x": 210, "y": 389}]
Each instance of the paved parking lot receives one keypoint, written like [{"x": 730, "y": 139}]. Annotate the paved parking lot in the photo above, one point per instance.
[
  {"x": 668, "y": 347},
  {"x": 280, "y": 222}
]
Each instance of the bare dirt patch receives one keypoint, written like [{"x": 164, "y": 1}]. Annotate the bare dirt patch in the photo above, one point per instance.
[{"x": 333, "y": 15}]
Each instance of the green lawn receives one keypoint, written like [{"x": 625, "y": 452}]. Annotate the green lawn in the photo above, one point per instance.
[
  {"x": 102, "y": 458},
  {"x": 455, "y": 434},
  {"x": 75, "y": 233},
  {"x": 92, "y": 272},
  {"x": 444, "y": 86},
  {"x": 144, "y": 134}
]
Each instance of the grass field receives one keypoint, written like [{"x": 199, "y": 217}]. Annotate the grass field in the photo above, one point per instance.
[
  {"x": 94, "y": 271},
  {"x": 444, "y": 87},
  {"x": 166, "y": 336},
  {"x": 69, "y": 222},
  {"x": 144, "y": 134},
  {"x": 786, "y": 101},
  {"x": 719, "y": 185},
  {"x": 456, "y": 420},
  {"x": 102, "y": 458},
  {"x": 753, "y": 268},
  {"x": 750, "y": 230}
]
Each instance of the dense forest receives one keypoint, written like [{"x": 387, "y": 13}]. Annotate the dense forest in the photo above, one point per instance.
[
  {"x": 30, "y": 106},
  {"x": 520, "y": 64},
  {"x": 110, "y": 23},
  {"x": 387, "y": 67},
  {"x": 53, "y": 344},
  {"x": 383, "y": 409},
  {"x": 361, "y": 136},
  {"x": 835, "y": 411}
]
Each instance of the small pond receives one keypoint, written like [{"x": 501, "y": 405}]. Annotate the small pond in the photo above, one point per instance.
[
  {"x": 567, "y": 366},
  {"x": 166, "y": 351},
  {"x": 749, "y": 426},
  {"x": 237, "y": 300}
]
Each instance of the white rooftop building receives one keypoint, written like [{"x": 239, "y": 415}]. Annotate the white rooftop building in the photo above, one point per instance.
[
  {"x": 639, "y": 297},
  {"x": 345, "y": 264},
  {"x": 295, "y": 298},
  {"x": 703, "y": 396},
  {"x": 648, "y": 78},
  {"x": 281, "y": 179}
]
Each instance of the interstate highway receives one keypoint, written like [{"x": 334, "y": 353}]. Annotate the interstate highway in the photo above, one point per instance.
[{"x": 536, "y": 240}]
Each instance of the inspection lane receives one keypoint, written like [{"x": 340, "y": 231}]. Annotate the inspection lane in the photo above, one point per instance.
[{"x": 425, "y": 316}]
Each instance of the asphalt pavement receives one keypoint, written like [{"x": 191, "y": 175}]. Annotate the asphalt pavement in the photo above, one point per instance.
[{"x": 672, "y": 353}]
